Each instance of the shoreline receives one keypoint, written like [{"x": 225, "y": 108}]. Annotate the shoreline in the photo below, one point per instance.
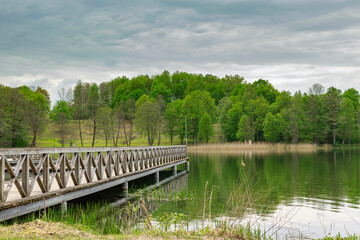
[
  {"x": 40, "y": 229},
  {"x": 256, "y": 148}
]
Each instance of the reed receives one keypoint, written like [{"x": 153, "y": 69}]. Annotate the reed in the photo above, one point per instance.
[{"x": 239, "y": 148}]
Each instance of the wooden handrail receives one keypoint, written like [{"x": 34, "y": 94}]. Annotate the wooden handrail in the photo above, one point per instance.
[{"x": 63, "y": 164}]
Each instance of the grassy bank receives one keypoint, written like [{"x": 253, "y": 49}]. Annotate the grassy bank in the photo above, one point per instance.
[
  {"x": 51, "y": 138},
  {"x": 39, "y": 229}
]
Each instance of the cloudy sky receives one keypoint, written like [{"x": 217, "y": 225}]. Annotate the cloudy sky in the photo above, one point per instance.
[{"x": 292, "y": 43}]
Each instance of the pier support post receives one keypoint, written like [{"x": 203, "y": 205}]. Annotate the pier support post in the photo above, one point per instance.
[
  {"x": 174, "y": 170},
  {"x": 63, "y": 207},
  {"x": 125, "y": 188},
  {"x": 157, "y": 177},
  {"x": 187, "y": 166}
]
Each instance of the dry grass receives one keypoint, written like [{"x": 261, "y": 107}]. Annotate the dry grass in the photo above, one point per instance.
[
  {"x": 256, "y": 148},
  {"x": 39, "y": 229}
]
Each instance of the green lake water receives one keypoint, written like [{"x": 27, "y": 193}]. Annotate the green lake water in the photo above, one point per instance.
[{"x": 312, "y": 194}]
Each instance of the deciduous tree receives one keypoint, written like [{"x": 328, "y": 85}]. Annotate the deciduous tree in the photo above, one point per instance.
[
  {"x": 206, "y": 129},
  {"x": 146, "y": 120},
  {"x": 93, "y": 106}
]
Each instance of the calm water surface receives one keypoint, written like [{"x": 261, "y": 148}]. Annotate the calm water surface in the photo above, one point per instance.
[{"x": 309, "y": 193}]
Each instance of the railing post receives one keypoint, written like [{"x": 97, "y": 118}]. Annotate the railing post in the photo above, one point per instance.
[
  {"x": 89, "y": 162},
  {"x": 46, "y": 172},
  {"x": 25, "y": 175},
  {"x": 62, "y": 169},
  {"x": 2, "y": 178},
  {"x": 77, "y": 167},
  {"x": 100, "y": 165}
]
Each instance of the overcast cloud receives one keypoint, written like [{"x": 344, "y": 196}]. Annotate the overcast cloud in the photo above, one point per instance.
[{"x": 292, "y": 43}]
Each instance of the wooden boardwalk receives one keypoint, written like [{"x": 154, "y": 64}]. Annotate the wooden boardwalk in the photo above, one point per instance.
[{"x": 34, "y": 178}]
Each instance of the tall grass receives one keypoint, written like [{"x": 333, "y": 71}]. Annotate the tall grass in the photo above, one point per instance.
[
  {"x": 105, "y": 218},
  {"x": 238, "y": 148}
]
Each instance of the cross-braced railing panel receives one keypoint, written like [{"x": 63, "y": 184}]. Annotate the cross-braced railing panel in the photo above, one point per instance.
[{"x": 59, "y": 168}]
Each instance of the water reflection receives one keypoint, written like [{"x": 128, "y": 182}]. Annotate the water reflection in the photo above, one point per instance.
[{"x": 319, "y": 190}]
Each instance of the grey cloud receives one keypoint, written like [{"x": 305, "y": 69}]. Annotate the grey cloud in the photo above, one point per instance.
[{"x": 98, "y": 40}]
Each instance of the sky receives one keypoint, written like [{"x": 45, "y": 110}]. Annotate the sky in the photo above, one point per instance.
[{"x": 292, "y": 43}]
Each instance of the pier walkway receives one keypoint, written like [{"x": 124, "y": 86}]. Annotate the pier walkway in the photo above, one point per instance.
[{"x": 35, "y": 178}]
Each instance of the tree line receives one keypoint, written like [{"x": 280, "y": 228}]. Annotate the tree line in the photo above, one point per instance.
[{"x": 158, "y": 105}]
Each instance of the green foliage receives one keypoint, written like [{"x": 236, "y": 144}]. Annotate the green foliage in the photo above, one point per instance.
[
  {"x": 105, "y": 120},
  {"x": 316, "y": 128},
  {"x": 147, "y": 116},
  {"x": 14, "y": 118},
  {"x": 179, "y": 82},
  {"x": 256, "y": 110},
  {"x": 158, "y": 88},
  {"x": 283, "y": 100},
  {"x": 61, "y": 116},
  {"x": 93, "y": 100},
  {"x": 230, "y": 124},
  {"x": 246, "y": 130},
  {"x": 194, "y": 105},
  {"x": 354, "y": 96},
  {"x": 332, "y": 108},
  {"x": 93, "y": 106},
  {"x": 144, "y": 98},
  {"x": 172, "y": 116},
  {"x": 60, "y": 111},
  {"x": 206, "y": 129},
  {"x": 273, "y": 128},
  {"x": 315, "y": 116},
  {"x": 347, "y": 120},
  {"x": 37, "y": 110},
  {"x": 136, "y": 94},
  {"x": 119, "y": 95},
  {"x": 80, "y": 101},
  {"x": 195, "y": 83},
  {"x": 265, "y": 89}
]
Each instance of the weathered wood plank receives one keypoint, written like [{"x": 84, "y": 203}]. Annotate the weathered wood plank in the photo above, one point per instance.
[{"x": 70, "y": 163}]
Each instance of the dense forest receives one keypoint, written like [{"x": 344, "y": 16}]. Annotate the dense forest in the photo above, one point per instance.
[{"x": 158, "y": 105}]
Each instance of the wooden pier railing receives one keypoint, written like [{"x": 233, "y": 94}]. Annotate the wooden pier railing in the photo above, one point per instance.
[{"x": 46, "y": 167}]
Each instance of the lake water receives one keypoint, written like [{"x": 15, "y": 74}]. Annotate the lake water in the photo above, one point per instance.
[{"x": 312, "y": 194}]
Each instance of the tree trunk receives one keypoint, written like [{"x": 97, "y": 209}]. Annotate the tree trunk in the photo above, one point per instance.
[
  {"x": 62, "y": 135},
  {"x": 131, "y": 128},
  {"x": 149, "y": 141},
  {"x": 171, "y": 139},
  {"x": 113, "y": 134},
  {"x": 334, "y": 138},
  {"x": 127, "y": 143},
  {"x": 159, "y": 132},
  {"x": 33, "y": 142},
  {"x": 82, "y": 145},
  {"x": 93, "y": 141},
  {"x": 117, "y": 135}
]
